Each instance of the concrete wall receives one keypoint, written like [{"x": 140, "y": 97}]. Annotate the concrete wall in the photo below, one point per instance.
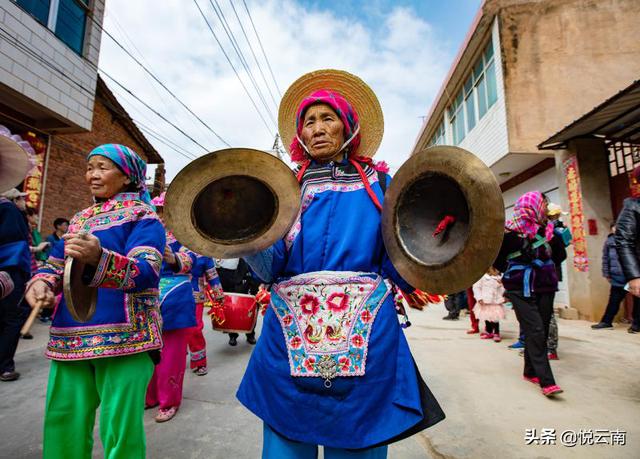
[
  {"x": 561, "y": 58},
  {"x": 589, "y": 290},
  {"x": 37, "y": 82},
  {"x": 489, "y": 139}
]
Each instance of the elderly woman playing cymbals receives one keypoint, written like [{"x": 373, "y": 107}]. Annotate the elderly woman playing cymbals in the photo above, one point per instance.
[
  {"x": 106, "y": 361},
  {"x": 332, "y": 366}
]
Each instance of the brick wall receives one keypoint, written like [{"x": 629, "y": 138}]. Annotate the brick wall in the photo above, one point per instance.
[{"x": 66, "y": 191}]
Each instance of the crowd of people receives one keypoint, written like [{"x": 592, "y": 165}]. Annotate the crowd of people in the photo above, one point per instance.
[{"x": 330, "y": 278}]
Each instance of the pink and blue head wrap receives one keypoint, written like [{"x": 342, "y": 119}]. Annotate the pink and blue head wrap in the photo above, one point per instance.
[
  {"x": 129, "y": 163},
  {"x": 529, "y": 215},
  {"x": 343, "y": 109}
]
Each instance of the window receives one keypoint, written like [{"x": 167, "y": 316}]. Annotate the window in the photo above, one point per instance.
[
  {"x": 65, "y": 18},
  {"x": 477, "y": 95},
  {"x": 70, "y": 23},
  {"x": 439, "y": 136},
  {"x": 39, "y": 9}
]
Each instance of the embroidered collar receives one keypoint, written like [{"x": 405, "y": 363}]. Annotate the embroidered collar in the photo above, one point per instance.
[{"x": 113, "y": 201}]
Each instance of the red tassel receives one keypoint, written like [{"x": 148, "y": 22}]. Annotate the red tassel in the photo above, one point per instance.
[
  {"x": 365, "y": 181},
  {"x": 444, "y": 224}
]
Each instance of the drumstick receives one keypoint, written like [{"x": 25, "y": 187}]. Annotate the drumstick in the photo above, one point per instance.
[{"x": 29, "y": 323}]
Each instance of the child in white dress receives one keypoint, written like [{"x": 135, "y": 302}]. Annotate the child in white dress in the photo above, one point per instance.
[{"x": 489, "y": 294}]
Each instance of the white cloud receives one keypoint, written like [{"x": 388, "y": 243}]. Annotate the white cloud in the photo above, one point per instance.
[{"x": 402, "y": 61}]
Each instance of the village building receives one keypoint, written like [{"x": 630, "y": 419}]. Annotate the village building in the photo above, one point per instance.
[{"x": 527, "y": 69}]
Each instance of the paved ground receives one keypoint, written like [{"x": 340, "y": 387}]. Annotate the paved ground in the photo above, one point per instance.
[{"x": 477, "y": 382}]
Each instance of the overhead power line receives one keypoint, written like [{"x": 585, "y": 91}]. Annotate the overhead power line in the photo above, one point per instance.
[
  {"x": 158, "y": 114},
  {"x": 157, "y": 80},
  {"x": 261, "y": 47},
  {"x": 255, "y": 58},
  {"x": 266, "y": 125},
  {"x": 46, "y": 62},
  {"x": 227, "y": 29}
]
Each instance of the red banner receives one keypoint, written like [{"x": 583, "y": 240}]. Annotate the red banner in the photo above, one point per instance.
[
  {"x": 572, "y": 175},
  {"x": 33, "y": 181}
]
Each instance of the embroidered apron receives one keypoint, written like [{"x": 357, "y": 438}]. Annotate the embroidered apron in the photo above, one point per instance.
[{"x": 326, "y": 318}]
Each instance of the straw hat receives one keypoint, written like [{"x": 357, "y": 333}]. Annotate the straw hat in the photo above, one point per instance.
[
  {"x": 352, "y": 88},
  {"x": 14, "y": 163}
]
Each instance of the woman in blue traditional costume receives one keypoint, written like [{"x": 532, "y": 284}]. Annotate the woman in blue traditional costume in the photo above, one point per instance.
[
  {"x": 15, "y": 256},
  {"x": 178, "y": 310},
  {"x": 108, "y": 360},
  {"x": 333, "y": 367}
]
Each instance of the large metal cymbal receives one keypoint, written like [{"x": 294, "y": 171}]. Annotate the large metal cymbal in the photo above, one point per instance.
[
  {"x": 232, "y": 202},
  {"x": 434, "y": 183},
  {"x": 81, "y": 299}
]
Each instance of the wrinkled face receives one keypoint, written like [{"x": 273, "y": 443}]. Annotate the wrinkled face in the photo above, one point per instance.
[
  {"x": 104, "y": 178},
  {"x": 322, "y": 132}
]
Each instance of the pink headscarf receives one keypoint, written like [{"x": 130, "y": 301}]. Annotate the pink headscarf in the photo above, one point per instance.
[
  {"x": 528, "y": 214},
  {"x": 343, "y": 109}
]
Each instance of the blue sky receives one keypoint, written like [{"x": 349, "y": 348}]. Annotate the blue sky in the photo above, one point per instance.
[
  {"x": 402, "y": 49},
  {"x": 450, "y": 19}
]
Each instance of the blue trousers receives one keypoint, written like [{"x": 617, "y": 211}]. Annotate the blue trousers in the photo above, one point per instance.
[{"x": 275, "y": 446}]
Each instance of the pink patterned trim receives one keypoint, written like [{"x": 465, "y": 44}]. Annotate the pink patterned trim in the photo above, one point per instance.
[
  {"x": 6, "y": 284},
  {"x": 184, "y": 261},
  {"x": 54, "y": 282}
]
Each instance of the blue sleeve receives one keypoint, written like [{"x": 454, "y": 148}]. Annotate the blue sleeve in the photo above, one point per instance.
[
  {"x": 138, "y": 268},
  {"x": 52, "y": 269},
  {"x": 606, "y": 262}
]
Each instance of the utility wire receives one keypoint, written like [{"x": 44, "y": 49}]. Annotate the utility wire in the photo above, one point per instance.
[
  {"x": 48, "y": 63},
  {"x": 266, "y": 125},
  {"x": 255, "y": 58},
  {"x": 157, "y": 80},
  {"x": 243, "y": 61},
  {"x": 158, "y": 114},
  {"x": 161, "y": 97},
  {"x": 261, "y": 47}
]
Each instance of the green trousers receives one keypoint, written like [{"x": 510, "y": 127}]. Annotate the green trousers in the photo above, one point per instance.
[{"x": 74, "y": 392}]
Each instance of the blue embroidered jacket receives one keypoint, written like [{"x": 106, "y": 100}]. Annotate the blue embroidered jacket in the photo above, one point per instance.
[
  {"x": 15, "y": 257},
  {"x": 204, "y": 275},
  {"x": 176, "y": 295},
  {"x": 126, "y": 320},
  {"x": 337, "y": 236}
]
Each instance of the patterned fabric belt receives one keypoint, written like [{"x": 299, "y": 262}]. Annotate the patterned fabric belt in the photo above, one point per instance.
[{"x": 326, "y": 318}]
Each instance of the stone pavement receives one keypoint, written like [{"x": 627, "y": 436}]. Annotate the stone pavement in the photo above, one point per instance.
[{"x": 478, "y": 384}]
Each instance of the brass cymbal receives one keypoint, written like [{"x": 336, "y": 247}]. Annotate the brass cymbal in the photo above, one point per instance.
[
  {"x": 80, "y": 298},
  {"x": 434, "y": 183},
  {"x": 232, "y": 202}
]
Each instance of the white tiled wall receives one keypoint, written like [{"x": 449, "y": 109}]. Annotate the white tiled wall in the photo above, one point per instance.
[{"x": 71, "y": 97}]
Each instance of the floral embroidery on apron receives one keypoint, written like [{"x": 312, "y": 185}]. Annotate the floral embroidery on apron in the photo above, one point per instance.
[{"x": 326, "y": 318}]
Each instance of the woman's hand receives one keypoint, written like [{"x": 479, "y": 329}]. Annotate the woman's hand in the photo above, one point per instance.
[
  {"x": 169, "y": 256},
  {"x": 40, "y": 295},
  {"x": 83, "y": 247},
  {"x": 634, "y": 287}
]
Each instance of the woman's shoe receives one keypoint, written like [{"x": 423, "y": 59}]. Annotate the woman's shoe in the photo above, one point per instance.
[
  {"x": 496, "y": 338},
  {"x": 552, "y": 356},
  {"x": 201, "y": 371},
  {"x": 27, "y": 336},
  {"x": 532, "y": 379},
  {"x": 472, "y": 331},
  {"x": 633, "y": 330},
  {"x": 550, "y": 391},
  {"x": 485, "y": 335},
  {"x": 601, "y": 325},
  {"x": 166, "y": 414}
]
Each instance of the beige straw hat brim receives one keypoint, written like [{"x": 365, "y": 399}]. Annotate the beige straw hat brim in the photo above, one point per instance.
[
  {"x": 14, "y": 163},
  {"x": 352, "y": 88}
]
